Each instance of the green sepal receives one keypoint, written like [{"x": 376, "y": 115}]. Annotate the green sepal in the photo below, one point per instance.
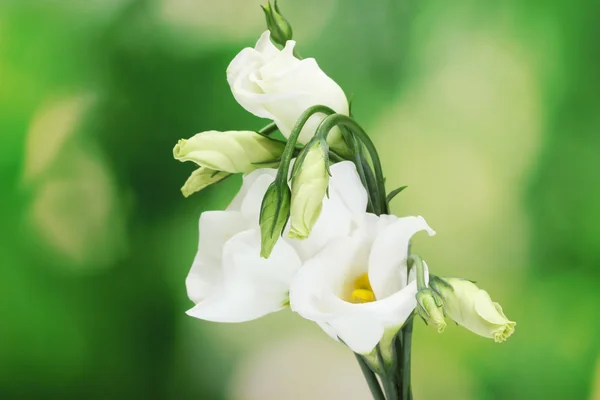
[{"x": 393, "y": 193}]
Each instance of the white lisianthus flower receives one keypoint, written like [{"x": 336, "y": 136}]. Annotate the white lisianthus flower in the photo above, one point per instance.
[
  {"x": 358, "y": 287},
  {"x": 472, "y": 307},
  {"x": 229, "y": 281},
  {"x": 274, "y": 84}
]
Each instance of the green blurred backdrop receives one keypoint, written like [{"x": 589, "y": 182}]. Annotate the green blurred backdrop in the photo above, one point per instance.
[{"x": 488, "y": 110}]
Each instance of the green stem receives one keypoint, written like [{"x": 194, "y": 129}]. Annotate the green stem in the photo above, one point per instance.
[
  {"x": 387, "y": 377},
  {"x": 367, "y": 180},
  {"x": 342, "y": 120},
  {"x": 406, "y": 358},
  {"x": 371, "y": 379},
  {"x": 416, "y": 261},
  {"x": 288, "y": 152}
]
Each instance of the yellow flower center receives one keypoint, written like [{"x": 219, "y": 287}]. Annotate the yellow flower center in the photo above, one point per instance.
[{"x": 363, "y": 292}]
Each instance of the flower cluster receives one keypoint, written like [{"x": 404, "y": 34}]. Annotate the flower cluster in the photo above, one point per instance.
[{"x": 310, "y": 227}]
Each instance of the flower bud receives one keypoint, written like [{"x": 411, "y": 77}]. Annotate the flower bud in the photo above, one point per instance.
[
  {"x": 233, "y": 151},
  {"x": 274, "y": 214},
  {"x": 310, "y": 181},
  {"x": 429, "y": 307},
  {"x": 201, "y": 178},
  {"x": 473, "y": 308},
  {"x": 281, "y": 30}
]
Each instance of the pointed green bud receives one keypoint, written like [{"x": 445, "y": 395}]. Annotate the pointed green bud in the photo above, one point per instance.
[
  {"x": 473, "y": 308},
  {"x": 429, "y": 307},
  {"x": 281, "y": 30},
  {"x": 233, "y": 151},
  {"x": 274, "y": 214},
  {"x": 310, "y": 181},
  {"x": 201, "y": 178}
]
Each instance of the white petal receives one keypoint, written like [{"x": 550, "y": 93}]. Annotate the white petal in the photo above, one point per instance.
[
  {"x": 345, "y": 184},
  {"x": 265, "y": 47},
  {"x": 216, "y": 227},
  {"x": 387, "y": 262},
  {"x": 253, "y": 199},
  {"x": 252, "y": 286},
  {"x": 488, "y": 309},
  {"x": 334, "y": 221},
  {"x": 317, "y": 283},
  {"x": 360, "y": 332},
  {"x": 248, "y": 182}
]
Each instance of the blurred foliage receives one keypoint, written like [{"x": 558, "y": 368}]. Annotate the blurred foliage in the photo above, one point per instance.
[{"x": 489, "y": 111}]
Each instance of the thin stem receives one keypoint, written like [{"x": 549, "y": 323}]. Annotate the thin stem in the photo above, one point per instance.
[
  {"x": 367, "y": 181},
  {"x": 416, "y": 261},
  {"x": 388, "y": 379},
  {"x": 371, "y": 379},
  {"x": 339, "y": 119},
  {"x": 406, "y": 358},
  {"x": 288, "y": 152}
]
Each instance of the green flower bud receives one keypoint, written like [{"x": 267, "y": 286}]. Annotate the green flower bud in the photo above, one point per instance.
[
  {"x": 429, "y": 307},
  {"x": 201, "y": 178},
  {"x": 473, "y": 308},
  {"x": 281, "y": 30},
  {"x": 310, "y": 181},
  {"x": 274, "y": 214},
  {"x": 233, "y": 151}
]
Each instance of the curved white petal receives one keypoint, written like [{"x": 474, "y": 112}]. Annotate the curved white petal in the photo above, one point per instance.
[
  {"x": 346, "y": 186},
  {"x": 323, "y": 277},
  {"x": 265, "y": 46},
  {"x": 248, "y": 182},
  {"x": 216, "y": 227},
  {"x": 360, "y": 332},
  {"x": 387, "y": 262},
  {"x": 251, "y": 204},
  {"x": 334, "y": 221},
  {"x": 252, "y": 286},
  {"x": 487, "y": 309}
]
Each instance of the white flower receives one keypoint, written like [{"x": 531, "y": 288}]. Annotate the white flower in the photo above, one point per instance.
[
  {"x": 230, "y": 281},
  {"x": 272, "y": 83},
  {"x": 358, "y": 287}
]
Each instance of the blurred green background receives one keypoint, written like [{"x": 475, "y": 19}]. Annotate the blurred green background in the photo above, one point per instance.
[{"x": 489, "y": 111}]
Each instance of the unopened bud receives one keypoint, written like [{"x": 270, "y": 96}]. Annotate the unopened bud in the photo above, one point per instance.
[
  {"x": 310, "y": 181},
  {"x": 429, "y": 307},
  {"x": 280, "y": 28},
  {"x": 232, "y": 151},
  {"x": 274, "y": 214},
  {"x": 472, "y": 307}
]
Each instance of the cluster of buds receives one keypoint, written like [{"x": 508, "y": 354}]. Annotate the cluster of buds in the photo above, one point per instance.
[{"x": 463, "y": 302}]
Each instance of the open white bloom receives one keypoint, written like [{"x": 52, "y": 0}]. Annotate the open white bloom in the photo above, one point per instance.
[
  {"x": 230, "y": 281},
  {"x": 274, "y": 84},
  {"x": 358, "y": 287}
]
